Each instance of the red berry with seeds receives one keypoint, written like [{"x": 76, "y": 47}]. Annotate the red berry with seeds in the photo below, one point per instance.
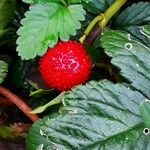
[{"x": 65, "y": 65}]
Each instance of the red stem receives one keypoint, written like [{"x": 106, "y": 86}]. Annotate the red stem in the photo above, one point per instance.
[{"x": 19, "y": 103}]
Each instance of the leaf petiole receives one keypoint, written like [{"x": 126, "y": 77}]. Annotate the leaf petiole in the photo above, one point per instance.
[{"x": 103, "y": 18}]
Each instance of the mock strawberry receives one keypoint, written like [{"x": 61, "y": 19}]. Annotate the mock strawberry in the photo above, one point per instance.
[{"x": 65, "y": 65}]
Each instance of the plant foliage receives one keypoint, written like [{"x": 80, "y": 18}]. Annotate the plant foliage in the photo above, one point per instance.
[
  {"x": 102, "y": 114},
  {"x": 56, "y": 21}
]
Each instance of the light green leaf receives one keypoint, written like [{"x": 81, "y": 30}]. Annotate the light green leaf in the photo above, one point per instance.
[
  {"x": 41, "y": 1},
  {"x": 79, "y": 1},
  {"x": 7, "y": 9},
  {"x": 98, "y": 115},
  {"x": 146, "y": 31},
  {"x": 3, "y": 70},
  {"x": 145, "y": 112},
  {"x": 55, "y": 21},
  {"x": 131, "y": 57},
  {"x": 56, "y": 1}
]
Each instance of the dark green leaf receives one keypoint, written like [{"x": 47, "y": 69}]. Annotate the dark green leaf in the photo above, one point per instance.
[
  {"x": 137, "y": 14},
  {"x": 133, "y": 20},
  {"x": 99, "y": 115},
  {"x": 55, "y": 21},
  {"x": 3, "y": 70},
  {"x": 145, "y": 112},
  {"x": 98, "y": 6},
  {"x": 94, "y": 54},
  {"x": 7, "y": 8},
  {"x": 138, "y": 34},
  {"x": 3, "y": 31},
  {"x": 131, "y": 57}
]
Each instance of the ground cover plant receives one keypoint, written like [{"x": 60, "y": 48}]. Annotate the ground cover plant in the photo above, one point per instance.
[{"x": 75, "y": 74}]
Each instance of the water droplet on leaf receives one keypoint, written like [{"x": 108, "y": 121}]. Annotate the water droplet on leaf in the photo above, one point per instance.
[{"x": 128, "y": 46}]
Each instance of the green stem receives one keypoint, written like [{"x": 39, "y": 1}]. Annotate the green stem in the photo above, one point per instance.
[
  {"x": 90, "y": 27},
  {"x": 103, "y": 18},
  {"x": 111, "y": 11}
]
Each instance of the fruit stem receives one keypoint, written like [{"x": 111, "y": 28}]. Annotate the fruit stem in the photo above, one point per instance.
[
  {"x": 19, "y": 103},
  {"x": 111, "y": 11},
  {"x": 103, "y": 18}
]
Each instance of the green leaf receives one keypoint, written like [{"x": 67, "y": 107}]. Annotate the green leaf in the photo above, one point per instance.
[
  {"x": 41, "y": 1},
  {"x": 55, "y": 21},
  {"x": 7, "y": 9},
  {"x": 145, "y": 112},
  {"x": 97, "y": 6},
  {"x": 98, "y": 115},
  {"x": 138, "y": 14},
  {"x": 138, "y": 34},
  {"x": 79, "y": 1},
  {"x": 146, "y": 31},
  {"x": 3, "y": 70},
  {"x": 6, "y": 132},
  {"x": 131, "y": 57},
  {"x": 55, "y": 1},
  {"x": 94, "y": 54}
]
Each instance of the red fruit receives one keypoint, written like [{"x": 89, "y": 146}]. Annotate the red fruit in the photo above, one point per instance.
[{"x": 65, "y": 65}]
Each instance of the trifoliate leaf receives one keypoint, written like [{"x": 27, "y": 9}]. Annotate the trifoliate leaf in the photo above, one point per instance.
[
  {"x": 7, "y": 8},
  {"x": 3, "y": 70},
  {"x": 56, "y": 21},
  {"x": 131, "y": 57},
  {"x": 98, "y": 115}
]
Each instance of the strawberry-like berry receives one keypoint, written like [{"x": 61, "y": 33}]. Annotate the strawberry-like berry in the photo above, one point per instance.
[{"x": 65, "y": 65}]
